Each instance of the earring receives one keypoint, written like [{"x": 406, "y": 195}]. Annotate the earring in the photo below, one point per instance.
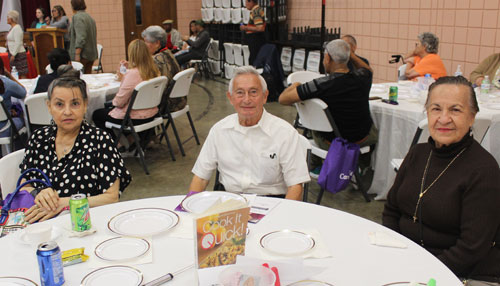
[{"x": 52, "y": 122}]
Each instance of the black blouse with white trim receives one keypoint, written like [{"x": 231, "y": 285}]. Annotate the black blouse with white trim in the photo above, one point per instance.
[{"x": 91, "y": 167}]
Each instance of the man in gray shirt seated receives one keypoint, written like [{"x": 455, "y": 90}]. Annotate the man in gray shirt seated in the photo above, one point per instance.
[{"x": 197, "y": 47}]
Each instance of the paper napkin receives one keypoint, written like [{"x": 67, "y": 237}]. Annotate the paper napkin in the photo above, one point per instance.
[{"x": 381, "y": 238}]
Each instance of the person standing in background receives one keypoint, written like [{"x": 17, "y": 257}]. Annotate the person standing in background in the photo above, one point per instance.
[
  {"x": 15, "y": 47},
  {"x": 83, "y": 36},
  {"x": 255, "y": 29},
  {"x": 60, "y": 21}
]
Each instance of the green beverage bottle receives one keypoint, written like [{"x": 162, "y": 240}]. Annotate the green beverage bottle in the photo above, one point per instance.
[{"x": 80, "y": 214}]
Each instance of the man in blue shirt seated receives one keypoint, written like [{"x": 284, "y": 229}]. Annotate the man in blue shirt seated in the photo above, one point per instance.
[{"x": 10, "y": 87}]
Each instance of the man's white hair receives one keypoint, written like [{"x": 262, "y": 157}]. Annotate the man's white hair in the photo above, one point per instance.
[
  {"x": 339, "y": 51},
  {"x": 247, "y": 70}
]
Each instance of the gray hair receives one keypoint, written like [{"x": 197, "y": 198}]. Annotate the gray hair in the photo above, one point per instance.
[
  {"x": 68, "y": 78},
  {"x": 339, "y": 51},
  {"x": 14, "y": 15},
  {"x": 429, "y": 41},
  {"x": 247, "y": 70},
  {"x": 155, "y": 33}
]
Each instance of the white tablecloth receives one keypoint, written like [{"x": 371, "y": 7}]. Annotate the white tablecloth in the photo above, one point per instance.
[
  {"x": 354, "y": 261},
  {"x": 397, "y": 125},
  {"x": 100, "y": 88}
]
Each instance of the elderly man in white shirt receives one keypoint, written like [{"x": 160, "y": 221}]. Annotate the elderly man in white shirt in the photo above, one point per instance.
[{"x": 254, "y": 151}]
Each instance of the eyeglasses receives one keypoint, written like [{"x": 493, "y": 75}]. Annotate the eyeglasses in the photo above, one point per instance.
[{"x": 252, "y": 93}]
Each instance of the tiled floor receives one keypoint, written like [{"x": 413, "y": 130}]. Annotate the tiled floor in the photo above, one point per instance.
[{"x": 208, "y": 104}]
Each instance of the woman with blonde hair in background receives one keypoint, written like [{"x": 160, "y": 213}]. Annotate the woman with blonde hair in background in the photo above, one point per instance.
[
  {"x": 15, "y": 47},
  {"x": 140, "y": 67}
]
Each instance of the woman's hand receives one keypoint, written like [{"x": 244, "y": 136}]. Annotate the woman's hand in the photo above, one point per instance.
[
  {"x": 47, "y": 199},
  {"x": 185, "y": 38},
  {"x": 36, "y": 213},
  {"x": 119, "y": 75},
  {"x": 124, "y": 62}
]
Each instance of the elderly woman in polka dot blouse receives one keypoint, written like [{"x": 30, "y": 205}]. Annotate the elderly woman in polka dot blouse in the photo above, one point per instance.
[{"x": 77, "y": 157}]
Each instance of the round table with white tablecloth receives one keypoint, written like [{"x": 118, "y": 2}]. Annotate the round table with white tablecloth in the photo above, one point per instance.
[
  {"x": 353, "y": 261},
  {"x": 397, "y": 125}
]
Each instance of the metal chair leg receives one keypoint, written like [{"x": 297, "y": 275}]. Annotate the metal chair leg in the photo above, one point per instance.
[
  {"x": 320, "y": 196},
  {"x": 192, "y": 127},
  {"x": 141, "y": 152},
  {"x": 168, "y": 141},
  {"x": 361, "y": 186},
  {"x": 177, "y": 136}
]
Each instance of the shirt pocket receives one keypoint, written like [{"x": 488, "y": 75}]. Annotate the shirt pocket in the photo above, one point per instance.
[{"x": 269, "y": 167}]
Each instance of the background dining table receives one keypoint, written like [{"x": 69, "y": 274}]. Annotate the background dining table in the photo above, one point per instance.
[
  {"x": 397, "y": 125},
  {"x": 353, "y": 260}
]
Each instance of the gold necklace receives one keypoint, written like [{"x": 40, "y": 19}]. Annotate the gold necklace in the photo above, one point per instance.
[{"x": 422, "y": 191}]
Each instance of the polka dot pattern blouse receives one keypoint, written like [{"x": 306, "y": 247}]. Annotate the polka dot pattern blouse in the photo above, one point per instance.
[{"x": 91, "y": 167}]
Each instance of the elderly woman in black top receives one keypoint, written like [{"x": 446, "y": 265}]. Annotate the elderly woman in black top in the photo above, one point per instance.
[
  {"x": 77, "y": 157},
  {"x": 446, "y": 196}
]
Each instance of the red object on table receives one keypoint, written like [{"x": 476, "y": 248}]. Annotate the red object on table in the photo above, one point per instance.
[
  {"x": 275, "y": 271},
  {"x": 31, "y": 65}
]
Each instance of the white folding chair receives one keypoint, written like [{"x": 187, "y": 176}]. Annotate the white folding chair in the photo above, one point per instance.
[
  {"x": 147, "y": 94},
  {"x": 218, "y": 3},
  {"x": 308, "y": 148},
  {"x": 299, "y": 58},
  {"x": 8, "y": 141},
  {"x": 316, "y": 116},
  {"x": 3, "y": 49},
  {"x": 218, "y": 14},
  {"x": 214, "y": 66},
  {"x": 246, "y": 55},
  {"x": 209, "y": 14},
  {"x": 214, "y": 52},
  {"x": 204, "y": 14},
  {"x": 401, "y": 72},
  {"x": 76, "y": 65},
  {"x": 98, "y": 68},
  {"x": 226, "y": 3},
  {"x": 181, "y": 86},
  {"x": 202, "y": 65},
  {"x": 245, "y": 15},
  {"x": 37, "y": 110},
  {"x": 286, "y": 59},
  {"x": 302, "y": 77},
  {"x": 236, "y": 3},
  {"x": 9, "y": 171},
  {"x": 236, "y": 15},
  {"x": 229, "y": 70},
  {"x": 226, "y": 15},
  {"x": 313, "y": 61},
  {"x": 238, "y": 55},
  {"x": 228, "y": 51},
  {"x": 209, "y": 3}
]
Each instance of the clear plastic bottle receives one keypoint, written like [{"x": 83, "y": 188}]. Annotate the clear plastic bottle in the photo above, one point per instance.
[
  {"x": 14, "y": 73},
  {"x": 458, "y": 72},
  {"x": 123, "y": 69},
  {"x": 485, "y": 85}
]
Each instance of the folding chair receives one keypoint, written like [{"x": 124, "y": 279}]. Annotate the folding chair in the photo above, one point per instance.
[
  {"x": 479, "y": 130},
  {"x": 313, "y": 61},
  {"x": 9, "y": 171},
  {"x": 98, "y": 68},
  {"x": 203, "y": 66},
  {"x": 301, "y": 77},
  {"x": 299, "y": 58},
  {"x": 246, "y": 55},
  {"x": 37, "y": 111},
  {"x": 226, "y": 3},
  {"x": 246, "y": 15},
  {"x": 315, "y": 115},
  {"x": 147, "y": 94},
  {"x": 8, "y": 141},
  {"x": 236, "y": 3},
  {"x": 228, "y": 52},
  {"x": 181, "y": 85},
  {"x": 226, "y": 15},
  {"x": 286, "y": 59},
  {"x": 236, "y": 15},
  {"x": 238, "y": 55}
]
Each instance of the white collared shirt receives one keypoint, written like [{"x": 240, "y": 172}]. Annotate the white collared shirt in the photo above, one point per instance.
[{"x": 263, "y": 159}]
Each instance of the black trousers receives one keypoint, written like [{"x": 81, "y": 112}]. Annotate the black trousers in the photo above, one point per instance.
[
  {"x": 100, "y": 116},
  {"x": 255, "y": 41},
  {"x": 186, "y": 57}
]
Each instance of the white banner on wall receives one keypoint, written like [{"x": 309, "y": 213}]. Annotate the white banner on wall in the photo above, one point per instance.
[{"x": 7, "y": 6}]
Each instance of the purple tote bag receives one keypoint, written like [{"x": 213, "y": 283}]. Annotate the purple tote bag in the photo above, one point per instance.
[{"x": 339, "y": 166}]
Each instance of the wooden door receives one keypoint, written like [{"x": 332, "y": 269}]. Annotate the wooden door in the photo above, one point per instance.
[{"x": 140, "y": 14}]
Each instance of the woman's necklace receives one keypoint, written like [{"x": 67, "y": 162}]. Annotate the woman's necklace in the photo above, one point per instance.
[{"x": 422, "y": 191}]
